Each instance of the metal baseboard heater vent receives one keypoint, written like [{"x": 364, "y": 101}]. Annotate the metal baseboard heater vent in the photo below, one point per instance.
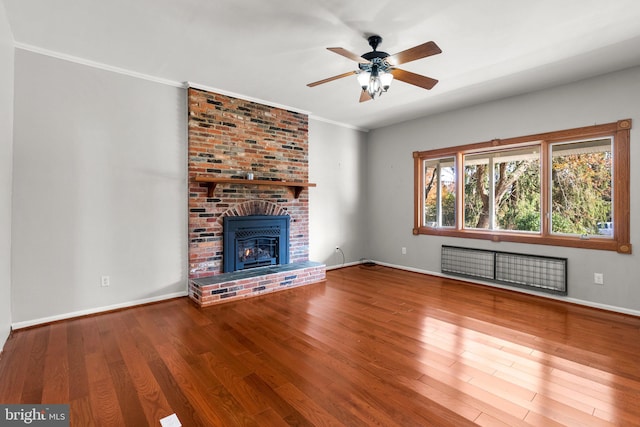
[{"x": 541, "y": 273}]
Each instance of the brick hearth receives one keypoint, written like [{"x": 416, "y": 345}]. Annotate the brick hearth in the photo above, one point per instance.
[{"x": 256, "y": 281}]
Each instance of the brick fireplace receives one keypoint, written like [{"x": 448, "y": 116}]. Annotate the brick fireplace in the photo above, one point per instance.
[{"x": 231, "y": 138}]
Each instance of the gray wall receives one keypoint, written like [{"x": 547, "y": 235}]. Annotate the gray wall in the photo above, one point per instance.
[
  {"x": 390, "y": 182},
  {"x": 6, "y": 144},
  {"x": 337, "y": 164},
  {"x": 99, "y": 189}
]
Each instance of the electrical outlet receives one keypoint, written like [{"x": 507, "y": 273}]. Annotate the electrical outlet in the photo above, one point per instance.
[
  {"x": 598, "y": 278},
  {"x": 404, "y": 251},
  {"x": 104, "y": 281}
]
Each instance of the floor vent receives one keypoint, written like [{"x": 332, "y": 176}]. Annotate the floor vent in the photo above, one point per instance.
[{"x": 548, "y": 274}]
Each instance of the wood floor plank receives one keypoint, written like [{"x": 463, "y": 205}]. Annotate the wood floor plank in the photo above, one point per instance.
[
  {"x": 307, "y": 406},
  {"x": 573, "y": 397},
  {"x": 565, "y": 414},
  {"x": 33, "y": 384},
  {"x": 80, "y": 412},
  {"x": 147, "y": 335},
  {"x": 103, "y": 398},
  {"x": 56, "y": 375},
  {"x": 369, "y": 347},
  {"x": 128, "y": 398},
  {"x": 90, "y": 338},
  {"x": 202, "y": 390},
  {"x": 78, "y": 387},
  {"x": 13, "y": 369},
  {"x": 277, "y": 404},
  {"x": 151, "y": 398}
]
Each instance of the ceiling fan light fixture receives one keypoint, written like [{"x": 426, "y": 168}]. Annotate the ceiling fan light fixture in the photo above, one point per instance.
[
  {"x": 363, "y": 79},
  {"x": 375, "y": 82},
  {"x": 375, "y": 87},
  {"x": 375, "y": 77},
  {"x": 385, "y": 80}
]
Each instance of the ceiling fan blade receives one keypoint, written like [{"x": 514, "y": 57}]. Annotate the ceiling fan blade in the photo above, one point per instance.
[
  {"x": 413, "y": 78},
  {"x": 417, "y": 52},
  {"x": 330, "y": 79},
  {"x": 364, "y": 96},
  {"x": 347, "y": 54}
]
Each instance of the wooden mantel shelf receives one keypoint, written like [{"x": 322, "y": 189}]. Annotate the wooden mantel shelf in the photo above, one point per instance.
[{"x": 212, "y": 182}]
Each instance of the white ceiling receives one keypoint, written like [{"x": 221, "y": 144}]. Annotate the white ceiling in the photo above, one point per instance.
[{"x": 270, "y": 49}]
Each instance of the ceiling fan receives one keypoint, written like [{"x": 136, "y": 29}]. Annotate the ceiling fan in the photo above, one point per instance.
[{"x": 377, "y": 69}]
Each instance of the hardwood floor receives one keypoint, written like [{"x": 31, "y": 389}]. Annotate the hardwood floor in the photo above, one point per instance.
[{"x": 371, "y": 346}]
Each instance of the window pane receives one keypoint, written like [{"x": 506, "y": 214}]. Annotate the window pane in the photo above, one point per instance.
[
  {"x": 476, "y": 191},
  {"x": 508, "y": 199},
  {"x": 517, "y": 190},
  {"x": 440, "y": 193},
  {"x": 582, "y": 188}
]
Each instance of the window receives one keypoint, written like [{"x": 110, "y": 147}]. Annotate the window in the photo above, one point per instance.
[
  {"x": 565, "y": 188},
  {"x": 502, "y": 190},
  {"x": 440, "y": 193},
  {"x": 581, "y": 188}
]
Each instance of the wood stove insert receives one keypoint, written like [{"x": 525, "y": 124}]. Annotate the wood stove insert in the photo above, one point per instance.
[{"x": 255, "y": 241}]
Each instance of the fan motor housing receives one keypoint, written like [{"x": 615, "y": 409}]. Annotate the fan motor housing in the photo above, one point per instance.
[
  {"x": 375, "y": 54},
  {"x": 374, "y": 41}
]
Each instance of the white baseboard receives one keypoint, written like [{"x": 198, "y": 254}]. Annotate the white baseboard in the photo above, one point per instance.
[
  {"x": 96, "y": 310},
  {"x": 591, "y": 304},
  {"x": 349, "y": 264},
  {"x": 42, "y": 320}
]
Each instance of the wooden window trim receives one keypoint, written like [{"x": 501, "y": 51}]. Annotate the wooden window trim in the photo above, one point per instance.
[{"x": 619, "y": 242}]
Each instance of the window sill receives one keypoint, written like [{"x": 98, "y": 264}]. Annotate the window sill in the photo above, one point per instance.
[{"x": 604, "y": 244}]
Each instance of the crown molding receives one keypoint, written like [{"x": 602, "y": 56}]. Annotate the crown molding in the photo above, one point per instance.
[
  {"x": 173, "y": 83},
  {"x": 344, "y": 125},
  {"x": 95, "y": 64}
]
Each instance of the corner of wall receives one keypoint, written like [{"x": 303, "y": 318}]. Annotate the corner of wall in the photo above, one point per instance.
[
  {"x": 337, "y": 206},
  {"x": 6, "y": 170}
]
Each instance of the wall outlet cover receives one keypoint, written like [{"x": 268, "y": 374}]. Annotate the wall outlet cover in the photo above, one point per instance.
[{"x": 598, "y": 278}]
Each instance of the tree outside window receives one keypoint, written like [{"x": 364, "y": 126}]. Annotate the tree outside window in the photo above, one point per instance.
[
  {"x": 440, "y": 193},
  {"x": 582, "y": 188},
  {"x": 502, "y": 190}
]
